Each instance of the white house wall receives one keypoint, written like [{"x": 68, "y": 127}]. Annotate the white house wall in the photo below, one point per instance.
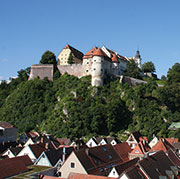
[
  {"x": 66, "y": 167},
  {"x": 43, "y": 161},
  {"x": 91, "y": 143}
]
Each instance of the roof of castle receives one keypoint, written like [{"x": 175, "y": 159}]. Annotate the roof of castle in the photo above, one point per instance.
[
  {"x": 95, "y": 51},
  {"x": 74, "y": 51}
]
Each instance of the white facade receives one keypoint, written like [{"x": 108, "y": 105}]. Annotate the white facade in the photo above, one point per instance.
[
  {"x": 91, "y": 143},
  {"x": 8, "y": 153},
  {"x": 72, "y": 164},
  {"x": 27, "y": 151},
  {"x": 113, "y": 173}
]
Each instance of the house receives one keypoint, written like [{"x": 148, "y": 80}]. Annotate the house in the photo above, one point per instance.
[
  {"x": 66, "y": 52},
  {"x": 156, "y": 139},
  {"x": 5, "y": 146},
  {"x": 33, "y": 151},
  {"x": 25, "y": 136},
  {"x": 155, "y": 166},
  {"x": 123, "y": 150},
  {"x": 14, "y": 166},
  {"x": 117, "y": 170},
  {"x": 140, "y": 150},
  {"x": 162, "y": 144},
  {"x": 54, "y": 158},
  {"x": 135, "y": 138},
  {"x": 95, "y": 141},
  {"x": 64, "y": 141},
  {"x": 8, "y": 133},
  {"x": 12, "y": 152},
  {"x": 174, "y": 126},
  {"x": 95, "y": 160}
]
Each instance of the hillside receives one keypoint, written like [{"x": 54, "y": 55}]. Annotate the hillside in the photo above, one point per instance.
[{"x": 71, "y": 107}]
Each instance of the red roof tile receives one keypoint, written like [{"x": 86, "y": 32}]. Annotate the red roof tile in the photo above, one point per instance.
[
  {"x": 5, "y": 125},
  {"x": 114, "y": 58},
  {"x": 172, "y": 140},
  {"x": 14, "y": 166},
  {"x": 94, "y": 52},
  {"x": 141, "y": 148},
  {"x": 37, "y": 149},
  {"x": 162, "y": 144},
  {"x": 122, "y": 150},
  {"x": 84, "y": 176}
]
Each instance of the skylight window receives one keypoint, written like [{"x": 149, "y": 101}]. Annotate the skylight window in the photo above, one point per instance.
[
  {"x": 110, "y": 157},
  {"x": 104, "y": 148}
]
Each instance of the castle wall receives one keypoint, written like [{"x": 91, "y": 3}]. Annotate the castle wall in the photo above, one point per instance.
[{"x": 74, "y": 69}]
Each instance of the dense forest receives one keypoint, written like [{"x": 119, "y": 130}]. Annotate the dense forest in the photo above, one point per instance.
[{"x": 71, "y": 107}]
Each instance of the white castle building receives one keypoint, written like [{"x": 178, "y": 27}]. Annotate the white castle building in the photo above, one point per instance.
[{"x": 98, "y": 62}]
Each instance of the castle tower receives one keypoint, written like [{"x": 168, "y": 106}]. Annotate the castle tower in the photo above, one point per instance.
[{"x": 138, "y": 59}]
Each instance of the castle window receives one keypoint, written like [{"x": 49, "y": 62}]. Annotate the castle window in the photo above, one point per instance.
[
  {"x": 94, "y": 60},
  {"x": 86, "y": 70},
  {"x": 87, "y": 62},
  {"x": 101, "y": 69},
  {"x": 94, "y": 69}
]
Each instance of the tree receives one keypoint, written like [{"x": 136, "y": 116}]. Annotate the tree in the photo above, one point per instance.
[
  {"x": 174, "y": 74},
  {"x": 70, "y": 59},
  {"x": 148, "y": 67},
  {"x": 48, "y": 58},
  {"x": 163, "y": 77},
  {"x": 133, "y": 70}
]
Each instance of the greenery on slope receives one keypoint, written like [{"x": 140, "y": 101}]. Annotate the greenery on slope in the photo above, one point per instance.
[{"x": 71, "y": 107}]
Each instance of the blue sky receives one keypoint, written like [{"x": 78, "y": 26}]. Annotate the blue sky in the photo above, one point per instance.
[{"x": 29, "y": 28}]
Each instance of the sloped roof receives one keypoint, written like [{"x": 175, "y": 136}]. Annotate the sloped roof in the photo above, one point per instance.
[
  {"x": 120, "y": 168},
  {"x": 174, "y": 157},
  {"x": 75, "y": 52},
  {"x": 134, "y": 172},
  {"x": 5, "y": 146},
  {"x": 122, "y": 150},
  {"x": 156, "y": 165},
  {"x": 95, "y": 51},
  {"x": 93, "y": 158},
  {"x": 64, "y": 141},
  {"x": 162, "y": 144},
  {"x": 32, "y": 134},
  {"x": 6, "y": 125},
  {"x": 141, "y": 147},
  {"x": 37, "y": 149},
  {"x": 84, "y": 176},
  {"x": 14, "y": 166},
  {"x": 172, "y": 140},
  {"x": 16, "y": 150},
  {"x": 55, "y": 155}
]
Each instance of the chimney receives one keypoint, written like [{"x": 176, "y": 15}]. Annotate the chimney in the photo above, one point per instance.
[
  {"x": 42, "y": 140},
  {"x": 47, "y": 146},
  {"x": 87, "y": 151},
  {"x": 64, "y": 155}
]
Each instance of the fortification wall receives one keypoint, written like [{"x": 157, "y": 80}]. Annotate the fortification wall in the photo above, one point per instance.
[{"x": 74, "y": 69}]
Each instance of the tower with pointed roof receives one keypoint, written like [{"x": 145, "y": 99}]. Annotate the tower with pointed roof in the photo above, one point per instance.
[{"x": 138, "y": 58}]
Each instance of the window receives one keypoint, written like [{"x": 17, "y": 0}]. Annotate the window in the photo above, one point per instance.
[
  {"x": 86, "y": 70},
  {"x": 1, "y": 132},
  {"x": 104, "y": 148},
  {"x": 101, "y": 169},
  {"x": 94, "y": 69},
  {"x": 72, "y": 165},
  {"x": 87, "y": 62},
  {"x": 110, "y": 157}
]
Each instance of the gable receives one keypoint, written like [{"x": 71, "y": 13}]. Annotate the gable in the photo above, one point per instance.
[
  {"x": 113, "y": 173},
  {"x": 91, "y": 143},
  {"x": 43, "y": 160},
  {"x": 72, "y": 164}
]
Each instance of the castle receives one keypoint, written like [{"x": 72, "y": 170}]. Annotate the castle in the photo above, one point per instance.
[{"x": 98, "y": 62}]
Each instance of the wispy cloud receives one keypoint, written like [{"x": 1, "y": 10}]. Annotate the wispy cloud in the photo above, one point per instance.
[
  {"x": 1, "y": 78},
  {"x": 3, "y": 60}
]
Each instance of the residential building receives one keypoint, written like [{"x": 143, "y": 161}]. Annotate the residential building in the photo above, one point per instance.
[
  {"x": 95, "y": 160},
  {"x": 12, "y": 152},
  {"x": 8, "y": 133}
]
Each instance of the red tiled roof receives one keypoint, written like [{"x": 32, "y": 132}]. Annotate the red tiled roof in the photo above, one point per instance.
[
  {"x": 162, "y": 144},
  {"x": 84, "y": 176},
  {"x": 156, "y": 165},
  {"x": 114, "y": 58},
  {"x": 94, "y": 158},
  {"x": 5, "y": 125},
  {"x": 172, "y": 140},
  {"x": 32, "y": 134},
  {"x": 14, "y": 166},
  {"x": 122, "y": 150},
  {"x": 141, "y": 147},
  {"x": 37, "y": 149},
  {"x": 120, "y": 168},
  {"x": 94, "y": 52}
]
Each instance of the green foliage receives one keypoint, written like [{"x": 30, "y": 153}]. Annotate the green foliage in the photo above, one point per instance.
[
  {"x": 173, "y": 74},
  {"x": 133, "y": 70},
  {"x": 70, "y": 58},
  {"x": 71, "y": 107},
  {"x": 48, "y": 58},
  {"x": 148, "y": 67}
]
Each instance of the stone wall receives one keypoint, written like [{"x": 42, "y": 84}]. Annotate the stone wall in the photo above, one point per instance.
[{"x": 74, "y": 69}]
